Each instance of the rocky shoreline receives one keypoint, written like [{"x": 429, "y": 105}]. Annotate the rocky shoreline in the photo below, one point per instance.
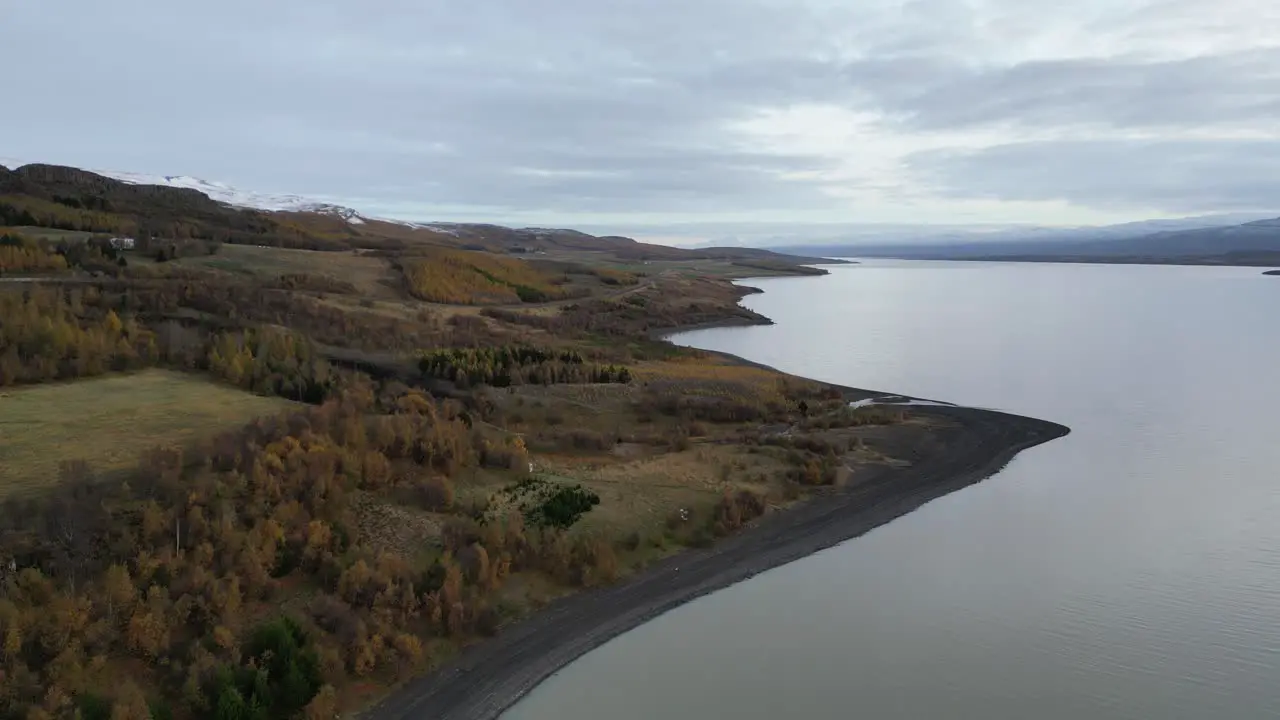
[{"x": 968, "y": 446}]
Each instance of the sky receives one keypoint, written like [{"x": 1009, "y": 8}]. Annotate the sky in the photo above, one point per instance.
[{"x": 668, "y": 113}]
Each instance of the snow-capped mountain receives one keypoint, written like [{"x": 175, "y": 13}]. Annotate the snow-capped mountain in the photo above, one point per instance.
[
  {"x": 225, "y": 193},
  {"x": 239, "y": 198}
]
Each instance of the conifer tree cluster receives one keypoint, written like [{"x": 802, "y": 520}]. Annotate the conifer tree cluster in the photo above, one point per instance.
[{"x": 517, "y": 365}]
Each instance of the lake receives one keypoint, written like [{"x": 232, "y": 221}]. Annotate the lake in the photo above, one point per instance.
[{"x": 1129, "y": 570}]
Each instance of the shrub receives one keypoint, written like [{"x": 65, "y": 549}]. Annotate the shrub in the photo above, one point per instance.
[
  {"x": 586, "y": 440},
  {"x": 735, "y": 510},
  {"x": 436, "y": 493},
  {"x": 565, "y": 506}
]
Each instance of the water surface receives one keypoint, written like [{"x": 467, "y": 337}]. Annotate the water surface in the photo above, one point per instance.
[{"x": 1129, "y": 570}]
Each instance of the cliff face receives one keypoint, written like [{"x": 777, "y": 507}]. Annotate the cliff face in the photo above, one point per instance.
[
  {"x": 13, "y": 183},
  {"x": 56, "y": 180}
]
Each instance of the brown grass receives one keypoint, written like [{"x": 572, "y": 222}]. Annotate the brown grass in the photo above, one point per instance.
[
  {"x": 710, "y": 367},
  {"x": 109, "y": 421},
  {"x": 371, "y": 275},
  {"x": 640, "y": 495},
  {"x": 51, "y": 234}
]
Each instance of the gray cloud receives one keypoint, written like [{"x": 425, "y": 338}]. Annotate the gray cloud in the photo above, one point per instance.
[
  {"x": 579, "y": 108},
  {"x": 934, "y": 94},
  {"x": 1192, "y": 176}
]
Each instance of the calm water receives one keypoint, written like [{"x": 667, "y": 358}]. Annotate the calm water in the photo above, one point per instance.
[{"x": 1130, "y": 570}]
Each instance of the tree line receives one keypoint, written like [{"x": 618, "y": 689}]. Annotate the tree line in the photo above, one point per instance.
[
  {"x": 72, "y": 332},
  {"x": 47, "y": 335},
  {"x": 30, "y": 211},
  {"x": 516, "y": 365},
  {"x": 240, "y": 302},
  {"x": 22, "y": 254}
]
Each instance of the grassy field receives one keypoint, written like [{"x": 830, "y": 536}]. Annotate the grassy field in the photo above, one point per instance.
[
  {"x": 109, "y": 421},
  {"x": 52, "y": 234},
  {"x": 368, "y": 274}
]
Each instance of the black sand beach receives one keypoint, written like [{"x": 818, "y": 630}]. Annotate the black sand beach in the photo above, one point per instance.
[{"x": 488, "y": 678}]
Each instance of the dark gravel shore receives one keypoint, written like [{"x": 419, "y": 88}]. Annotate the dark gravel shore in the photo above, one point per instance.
[{"x": 493, "y": 675}]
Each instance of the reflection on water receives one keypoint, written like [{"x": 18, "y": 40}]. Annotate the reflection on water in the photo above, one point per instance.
[{"x": 1129, "y": 570}]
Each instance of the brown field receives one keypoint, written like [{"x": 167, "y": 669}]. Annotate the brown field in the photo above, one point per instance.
[
  {"x": 51, "y": 234},
  {"x": 109, "y": 421},
  {"x": 641, "y": 495},
  {"x": 371, "y": 275},
  {"x": 643, "y": 480}
]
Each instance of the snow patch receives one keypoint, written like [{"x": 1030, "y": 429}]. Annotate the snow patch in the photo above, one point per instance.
[
  {"x": 248, "y": 199},
  {"x": 228, "y": 195},
  {"x": 445, "y": 228},
  {"x": 218, "y": 191}
]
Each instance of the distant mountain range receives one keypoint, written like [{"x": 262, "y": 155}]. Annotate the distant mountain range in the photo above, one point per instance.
[
  {"x": 181, "y": 208},
  {"x": 163, "y": 202},
  {"x": 1221, "y": 240}
]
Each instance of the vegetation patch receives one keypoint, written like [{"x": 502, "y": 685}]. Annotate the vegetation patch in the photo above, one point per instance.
[
  {"x": 109, "y": 421},
  {"x": 19, "y": 253},
  {"x": 550, "y": 504},
  {"x": 465, "y": 277},
  {"x": 280, "y": 676},
  {"x": 610, "y": 276},
  {"x": 518, "y": 365},
  {"x": 363, "y": 273}
]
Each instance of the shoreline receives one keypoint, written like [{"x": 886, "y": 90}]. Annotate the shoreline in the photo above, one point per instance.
[{"x": 488, "y": 678}]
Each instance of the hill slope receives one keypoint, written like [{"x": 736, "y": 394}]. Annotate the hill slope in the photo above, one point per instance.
[{"x": 173, "y": 208}]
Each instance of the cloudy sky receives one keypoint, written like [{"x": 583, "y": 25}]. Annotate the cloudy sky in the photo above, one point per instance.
[{"x": 635, "y": 112}]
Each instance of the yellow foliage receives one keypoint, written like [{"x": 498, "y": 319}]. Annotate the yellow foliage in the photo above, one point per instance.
[
  {"x": 130, "y": 703},
  {"x": 147, "y": 634},
  {"x": 464, "y": 277},
  {"x": 27, "y": 210},
  {"x": 14, "y": 258},
  {"x": 615, "y": 277}
]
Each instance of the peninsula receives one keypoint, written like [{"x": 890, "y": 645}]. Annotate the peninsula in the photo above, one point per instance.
[{"x": 305, "y": 463}]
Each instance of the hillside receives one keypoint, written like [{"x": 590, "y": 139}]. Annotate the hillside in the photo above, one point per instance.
[
  {"x": 252, "y": 479},
  {"x": 172, "y": 209},
  {"x": 65, "y": 198}
]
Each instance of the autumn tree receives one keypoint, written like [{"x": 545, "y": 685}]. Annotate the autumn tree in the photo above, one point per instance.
[{"x": 130, "y": 703}]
